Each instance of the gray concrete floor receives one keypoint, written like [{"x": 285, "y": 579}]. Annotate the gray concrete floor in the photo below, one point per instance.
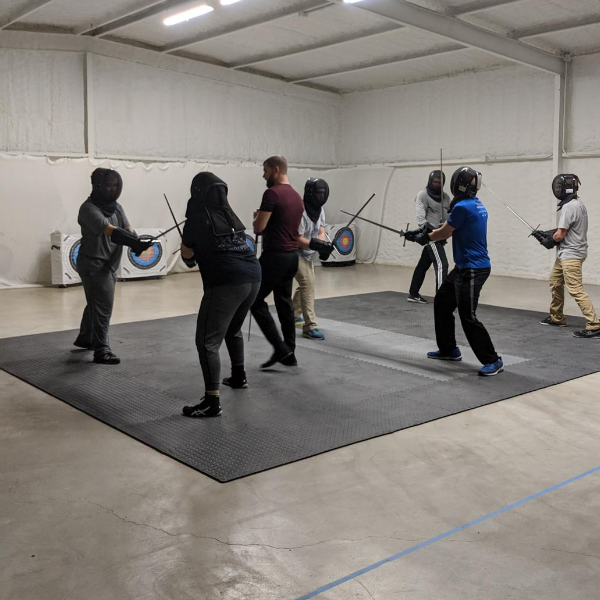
[{"x": 87, "y": 513}]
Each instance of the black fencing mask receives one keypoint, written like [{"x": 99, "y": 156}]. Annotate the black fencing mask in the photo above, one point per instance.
[
  {"x": 461, "y": 186},
  {"x": 435, "y": 191},
  {"x": 107, "y": 186},
  {"x": 565, "y": 188},
  {"x": 316, "y": 192},
  {"x": 209, "y": 198}
]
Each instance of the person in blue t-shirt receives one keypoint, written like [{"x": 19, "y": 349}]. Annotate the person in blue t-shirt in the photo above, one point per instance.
[{"x": 467, "y": 224}]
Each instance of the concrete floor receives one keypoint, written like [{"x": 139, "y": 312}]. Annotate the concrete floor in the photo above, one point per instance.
[{"x": 87, "y": 513}]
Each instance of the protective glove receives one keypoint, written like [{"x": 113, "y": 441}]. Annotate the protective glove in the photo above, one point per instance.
[
  {"x": 126, "y": 238},
  {"x": 323, "y": 248},
  {"x": 421, "y": 236},
  {"x": 190, "y": 263},
  {"x": 545, "y": 238}
]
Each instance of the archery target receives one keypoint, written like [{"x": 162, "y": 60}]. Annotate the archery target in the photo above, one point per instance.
[
  {"x": 251, "y": 241},
  {"x": 344, "y": 242},
  {"x": 64, "y": 251},
  {"x": 150, "y": 263}
]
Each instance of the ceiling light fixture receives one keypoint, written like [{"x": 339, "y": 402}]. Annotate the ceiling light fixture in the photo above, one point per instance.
[
  {"x": 186, "y": 15},
  {"x": 228, "y": 2},
  {"x": 351, "y": 1}
]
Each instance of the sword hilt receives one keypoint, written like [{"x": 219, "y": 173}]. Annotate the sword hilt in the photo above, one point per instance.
[{"x": 407, "y": 226}]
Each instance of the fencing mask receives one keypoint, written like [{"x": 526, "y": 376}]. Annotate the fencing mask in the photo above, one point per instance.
[
  {"x": 565, "y": 188},
  {"x": 316, "y": 192}
]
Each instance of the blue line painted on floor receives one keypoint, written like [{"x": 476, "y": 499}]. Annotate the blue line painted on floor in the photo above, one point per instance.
[{"x": 442, "y": 536}]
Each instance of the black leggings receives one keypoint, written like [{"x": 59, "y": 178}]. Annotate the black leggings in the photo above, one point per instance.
[
  {"x": 433, "y": 254},
  {"x": 221, "y": 316}
]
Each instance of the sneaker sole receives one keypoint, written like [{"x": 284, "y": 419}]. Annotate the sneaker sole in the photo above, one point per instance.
[
  {"x": 554, "y": 324},
  {"x": 492, "y": 374},
  {"x": 309, "y": 337},
  {"x": 452, "y": 358},
  {"x": 416, "y": 301},
  {"x": 236, "y": 387}
]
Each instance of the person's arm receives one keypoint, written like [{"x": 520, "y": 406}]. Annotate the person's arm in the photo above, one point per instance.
[
  {"x": 441, "y": 233},
  {"x": 421, "y": 211},
  {"x": 322, "y": 235},
  {"x": 261, "y": 218},
  {"x": 186, "y": 252},
  {"x": 559, "y": 235},
  {"x": 303, "y": 242}
]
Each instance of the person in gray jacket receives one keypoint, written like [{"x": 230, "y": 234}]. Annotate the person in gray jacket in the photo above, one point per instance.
[{"x": 431, "y": 211}]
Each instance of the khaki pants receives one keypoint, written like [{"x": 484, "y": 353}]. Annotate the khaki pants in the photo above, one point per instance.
[
  {"x": 304, "y": 298},
  {"x": 569, "y": 273}
]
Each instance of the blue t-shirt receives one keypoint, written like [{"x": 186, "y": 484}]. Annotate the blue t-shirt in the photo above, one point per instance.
[{"x": 469, "y": 239}]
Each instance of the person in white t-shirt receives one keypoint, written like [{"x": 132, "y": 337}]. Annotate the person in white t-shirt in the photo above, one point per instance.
[
  {"x": 571, "y": 238},
  {"x": 311, "y": 239}
]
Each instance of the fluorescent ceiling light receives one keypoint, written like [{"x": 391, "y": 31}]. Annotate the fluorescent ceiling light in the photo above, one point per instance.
[
  {"x": 351, "y": 1},
  {"x": 228, "y": 2},
  {"x": 188, "y": 14}
]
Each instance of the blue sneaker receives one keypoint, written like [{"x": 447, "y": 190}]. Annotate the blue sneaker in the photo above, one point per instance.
[
  {"x": 492, "y": 368},
  {"x": 313, "y": 334},
  {"x": 299, "y": 321},
  {"x": 454, "y": 355}
]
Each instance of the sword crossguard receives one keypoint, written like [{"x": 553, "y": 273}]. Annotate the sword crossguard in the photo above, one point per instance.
[{"x": 407, "y": 226}]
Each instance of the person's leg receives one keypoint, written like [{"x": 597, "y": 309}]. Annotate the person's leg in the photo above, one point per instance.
[
  {"x": 419, "y": 274},
  {"x": 468, "y": 288},
  {"x": 573, "y": 274},
  {"x": 557, "y": 291},
  {"x": 84, "y": 338},
  {"x": 234, "y": 338},
  {"x": 297, "y": 298},
  {"x": 305, "y": 277},
  {"x": 437, "y": 254},
  {"x": 444, "y": 306},
  {"x": 282, "y": 294}
]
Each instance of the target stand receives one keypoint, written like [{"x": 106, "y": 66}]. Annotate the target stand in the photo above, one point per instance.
[
  {"x": 64, "y": 251},
  {"x": 151, "y": 263},
  {"x": 344, "y": 242}
]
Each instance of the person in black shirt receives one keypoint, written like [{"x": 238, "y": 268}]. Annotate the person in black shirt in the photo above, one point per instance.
[{"x": 214, "y": 237}]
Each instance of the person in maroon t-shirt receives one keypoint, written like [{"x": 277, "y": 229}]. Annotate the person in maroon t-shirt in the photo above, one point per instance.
[{"x": 278, "y": 220}]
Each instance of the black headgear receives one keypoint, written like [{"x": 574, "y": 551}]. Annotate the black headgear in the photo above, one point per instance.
[
  {"x": 435, "y": 195},
  {"x": 313, "y": 202},
  {"x": 565, "y": 188},
  {"x": 461, "y": 186},
  {"x": 103, "y": 199}
]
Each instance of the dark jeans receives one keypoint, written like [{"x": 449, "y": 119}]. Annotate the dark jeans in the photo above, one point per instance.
[
  {"x": 221, "y": 316},
  {"x": 461, "y": 290},
  {"x": 278, "y": 270},
  {"x": 433, "y": 254},
  {"x": 99, "y": 287}
]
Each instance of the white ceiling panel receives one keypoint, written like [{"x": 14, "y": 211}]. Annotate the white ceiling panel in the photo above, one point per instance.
[
  {"x": 383, "y": 48},
  {"x": 584, "y": 40},
  {"x": 413, "y": 71}
]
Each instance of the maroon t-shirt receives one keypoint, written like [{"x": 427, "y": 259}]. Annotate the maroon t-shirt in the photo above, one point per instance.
[{"x": 286, "y": 207}]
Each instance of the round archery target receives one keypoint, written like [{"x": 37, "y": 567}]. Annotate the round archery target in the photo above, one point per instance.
[
  {"x": 251, "y": 243},
  {"x": 74, "y": 254},
  {"x": 147, "y": 259},
  {"x": 344, "y": 241}
]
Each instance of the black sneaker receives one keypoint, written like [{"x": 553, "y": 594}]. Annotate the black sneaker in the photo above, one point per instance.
[
  {"x": 550, "y": 321},
  {"x": 288, "y": 359},
  {"x": 416, "y": 298},
  {"x": 237, "y": 383},
  {"x": 107, "y": 359},
  {"x": 208, "y": 407},
  {"x": 587, "y": 333},
  {"x": 83, "y": 345}
]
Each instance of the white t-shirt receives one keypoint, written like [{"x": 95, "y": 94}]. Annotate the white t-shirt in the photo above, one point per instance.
[
  {"x": 573, "y": 218},
  {"x": 308, "y": 229}
]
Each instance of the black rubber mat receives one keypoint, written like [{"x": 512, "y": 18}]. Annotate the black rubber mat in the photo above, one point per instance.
[{"x": 368, "y": 378}]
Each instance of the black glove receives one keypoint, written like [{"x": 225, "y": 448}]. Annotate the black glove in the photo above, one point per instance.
[
  {"x": 190, "y": 263},
  {"x": 421, "y": 236},
  {"x": 126, "y": 238},
  {"x": 323, "y": 248},
  {"x": 545, "y": 238}
]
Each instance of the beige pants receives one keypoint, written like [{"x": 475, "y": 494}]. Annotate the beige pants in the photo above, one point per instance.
[
  {"x": 569, "y": 273},
  {"x": 304, "y": 297}
]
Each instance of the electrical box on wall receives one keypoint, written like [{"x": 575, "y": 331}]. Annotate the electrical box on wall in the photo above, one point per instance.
[
  {"x": 64, "y": 250},
  {"x": 151, "y": 263}
]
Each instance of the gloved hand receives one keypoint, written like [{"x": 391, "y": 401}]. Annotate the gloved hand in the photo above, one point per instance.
[
  {"x": 421, "y": 236},
  {"x": 545, "y": 238},
  {"x": 127, "y": 238},
  {"x": 190, "y": 263},
  {"x": 141, "y": 246},
  {"x": 323, "y": 248}
]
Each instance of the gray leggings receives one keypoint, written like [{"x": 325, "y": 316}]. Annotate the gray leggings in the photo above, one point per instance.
[{"x": 221, "y": 316}]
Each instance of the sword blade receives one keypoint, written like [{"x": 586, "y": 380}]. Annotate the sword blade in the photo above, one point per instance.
[
  {"x": 173, "y": 215},
  {"x": 176, "y": 226},
  {"x": 398, "y": 231},
  {"x": 520, "y": 218},
  {"x": 354, "y": 216}
]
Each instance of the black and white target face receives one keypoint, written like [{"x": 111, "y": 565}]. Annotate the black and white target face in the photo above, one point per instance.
[
  {"x": 344, "y": 241},
  {"x": 74, "y": 254},
  {"x": 251, "y": 242}
]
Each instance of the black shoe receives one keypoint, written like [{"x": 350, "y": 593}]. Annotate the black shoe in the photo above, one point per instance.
[
  {"x": 107, "y": 359},
  {"x": 550, "y": 321},
  {"x": 587, "y": 333},
  {"x": 416, "y": 298},
  {"x": 237, "y": 383},
  {"x": 208, "y": 407},
  {"x": 82, "y": 345},
  {"x": 288, "y": 359}
]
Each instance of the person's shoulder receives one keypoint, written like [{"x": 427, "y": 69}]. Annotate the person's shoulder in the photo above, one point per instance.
[
  {"x": 89, "y": 208},
  {"x": 422, "y": 195}
]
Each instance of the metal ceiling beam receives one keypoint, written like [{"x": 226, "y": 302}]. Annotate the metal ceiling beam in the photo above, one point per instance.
[
  {"x": 557, "y": 28},
  {"x": 254, "y": 22},
  {"x": 416, "y": 56},
  {"x": 133, "y": 16},
  {"x": 465, "y": 9},
  {"x": 464, "y": 33},
  {"x": 23, "y": 12}
]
